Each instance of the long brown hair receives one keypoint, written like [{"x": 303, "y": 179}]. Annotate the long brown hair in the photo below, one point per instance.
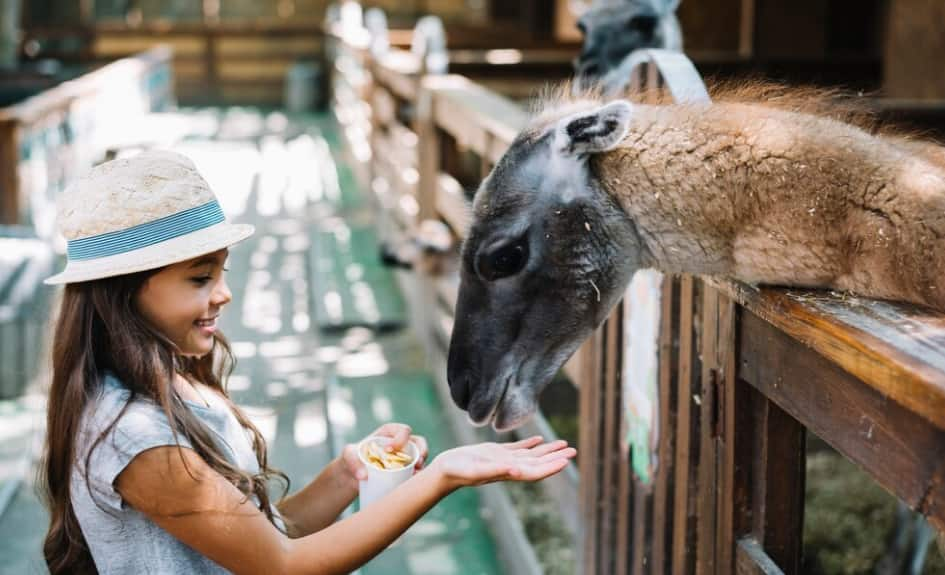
[{"x": 99, "y": 329}]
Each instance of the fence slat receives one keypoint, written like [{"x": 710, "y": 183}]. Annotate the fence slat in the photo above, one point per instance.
[
  {"x": 663, "y": 504},
  {"x": 687, "y": 435},
  {"x": 590, "y": 459},
  {"x": 706, "y": 523}
]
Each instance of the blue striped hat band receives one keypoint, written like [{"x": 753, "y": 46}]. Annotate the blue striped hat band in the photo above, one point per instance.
[{"x": 146, "y": 234}]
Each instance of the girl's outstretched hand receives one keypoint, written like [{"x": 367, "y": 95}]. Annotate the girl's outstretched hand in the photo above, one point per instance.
[{"x": 526, "y": 460}]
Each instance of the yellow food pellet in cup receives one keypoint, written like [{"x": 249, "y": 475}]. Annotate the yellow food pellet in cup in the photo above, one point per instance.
[{"x": 382, "y": 459}]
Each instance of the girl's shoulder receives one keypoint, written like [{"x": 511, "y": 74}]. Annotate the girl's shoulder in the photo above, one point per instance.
[{"x": 114, "y": 408}]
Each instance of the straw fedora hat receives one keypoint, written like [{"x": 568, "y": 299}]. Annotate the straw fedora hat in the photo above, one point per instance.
[{"x": 140, "y": 213}]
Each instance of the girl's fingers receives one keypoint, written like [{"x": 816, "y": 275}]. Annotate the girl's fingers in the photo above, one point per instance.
[
  {"x": 401, "y": 437},
  {"x": 542, "y": 470},
  {"x": 540, "y": 450},
  {"x": 525, "y": 443},
  {"x": 350, "y": 458},
  {"x": 555, "y": 455},
  {"x": 421, "y": 444},
  {"x": 547, "y": 469},
  {"x": 398, "y": 432}
]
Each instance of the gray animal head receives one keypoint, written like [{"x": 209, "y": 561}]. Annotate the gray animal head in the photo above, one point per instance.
[
  {"x": 548, "y": 255},
  {"x": 613, "y": 29}
]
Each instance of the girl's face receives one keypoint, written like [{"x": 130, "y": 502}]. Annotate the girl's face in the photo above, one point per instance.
[{"x": 183, "y": 301}]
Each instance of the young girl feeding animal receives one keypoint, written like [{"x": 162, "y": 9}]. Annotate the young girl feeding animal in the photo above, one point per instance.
[{"x": 148, "y": 462}]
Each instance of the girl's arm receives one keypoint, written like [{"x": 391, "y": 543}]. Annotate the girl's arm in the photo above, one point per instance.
[
  {"x": 319, "y": 503},
  {"x": 177, "y": 490}
]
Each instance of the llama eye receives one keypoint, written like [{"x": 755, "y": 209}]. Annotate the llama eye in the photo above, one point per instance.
[
  {"x": 642, "y": 24},
  {"x": 503, "y": 262}
]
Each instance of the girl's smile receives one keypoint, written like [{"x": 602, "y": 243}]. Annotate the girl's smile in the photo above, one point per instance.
[{"x": 184, "y": 300}]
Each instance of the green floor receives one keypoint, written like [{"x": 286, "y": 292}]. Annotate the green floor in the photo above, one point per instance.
[{"x": 310, "y": 380}]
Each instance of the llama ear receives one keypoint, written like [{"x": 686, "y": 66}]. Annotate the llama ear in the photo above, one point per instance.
[
  {"x": 595, "y": 131},
  {"x": 668, "y": 6}
]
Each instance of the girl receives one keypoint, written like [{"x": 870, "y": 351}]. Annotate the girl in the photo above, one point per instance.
[{"x": 148, "y": 464}]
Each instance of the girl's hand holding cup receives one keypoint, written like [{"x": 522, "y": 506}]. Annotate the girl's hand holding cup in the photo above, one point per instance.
[{"x": 397, "y": 437}]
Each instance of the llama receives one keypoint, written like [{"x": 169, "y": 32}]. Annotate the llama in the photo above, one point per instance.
[
  {"x": 592, "y": 190},
  {"x": 613, "y": 29}
]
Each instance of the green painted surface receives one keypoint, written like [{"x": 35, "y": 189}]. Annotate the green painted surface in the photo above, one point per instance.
[{"x": 351, "y": 287}]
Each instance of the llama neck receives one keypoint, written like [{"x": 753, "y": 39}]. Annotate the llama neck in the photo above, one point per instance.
[{"x": 768, "y": 196}]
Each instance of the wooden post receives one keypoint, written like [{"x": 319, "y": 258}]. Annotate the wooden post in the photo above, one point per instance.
[
  {"x": 914, "y": 48},
  {"x": 746, "y": 34},
  {"x": 9, "y": 173},
  {"x": 428, "y": 150},
  {"x": 688, "y": 423},
  {"x": 590, "y": 450},
  {"x": 663, "y": 502}
]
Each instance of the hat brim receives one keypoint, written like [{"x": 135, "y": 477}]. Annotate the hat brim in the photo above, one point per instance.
[{"x": 172, "y": 251}]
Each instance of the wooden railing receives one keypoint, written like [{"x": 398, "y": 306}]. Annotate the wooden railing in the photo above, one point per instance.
[
  {"x": 214, "y": 63},
  {"x": 743, "y": 373},
  {"x": 48, "y": 139}
]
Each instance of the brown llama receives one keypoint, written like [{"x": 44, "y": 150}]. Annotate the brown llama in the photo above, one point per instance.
[{"x": 795, "y": 191}]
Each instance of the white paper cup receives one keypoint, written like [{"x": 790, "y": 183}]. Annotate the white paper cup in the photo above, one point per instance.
[{"x": 379, "y": 481}]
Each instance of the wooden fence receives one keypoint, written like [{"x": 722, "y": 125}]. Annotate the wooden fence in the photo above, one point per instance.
[
  {"x": 46, "y": 140},
  {"x": 743, "y": 373}
]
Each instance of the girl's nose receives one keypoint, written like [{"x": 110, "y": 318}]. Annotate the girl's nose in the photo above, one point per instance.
[{"x": 221, "y": 293}]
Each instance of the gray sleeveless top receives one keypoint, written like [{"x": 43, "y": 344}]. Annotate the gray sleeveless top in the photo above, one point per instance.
[{"x": 122, "y": 540}]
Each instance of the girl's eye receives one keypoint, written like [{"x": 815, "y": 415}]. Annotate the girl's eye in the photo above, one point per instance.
[{"x": 201, "y": 280}]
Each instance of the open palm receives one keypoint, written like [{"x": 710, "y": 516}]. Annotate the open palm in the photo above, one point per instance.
[{"x": 527, "y": 460}]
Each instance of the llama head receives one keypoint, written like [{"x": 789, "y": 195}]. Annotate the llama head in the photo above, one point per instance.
[
  {"x": 548, "y": 255},
  {"x": 614, "y": 29}
]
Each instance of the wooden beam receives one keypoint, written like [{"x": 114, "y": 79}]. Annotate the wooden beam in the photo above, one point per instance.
[{"x": 903, "y": 453}]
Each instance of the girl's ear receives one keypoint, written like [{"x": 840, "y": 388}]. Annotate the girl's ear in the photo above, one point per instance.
[{"x": 594, "y": 131}]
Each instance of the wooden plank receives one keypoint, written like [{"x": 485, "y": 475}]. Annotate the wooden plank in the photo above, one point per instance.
[
  {"x": 628, "y": 509},
  {"x": 9, "y": 178},
  {"x": 706, "y": 522},
  {"x": 778, "y": 471},
  {"x": 111, "y": 46},
  {"x": 399, "y": 71},
  {"x": 686, "y": 480},
  {"x": 642, "y": 514},
  {"x": 726, "y": 444},
  {"x": 904, "y": 453},
  {"x": 271, "y": 69},
  {"x": 609, "y": 425},
  {"x": 897, "y": 349},
  {"x": 589, "y": 462},
  {"x": 268, "y": 46},
  {"x": 746, "y": 34},
  {"x": 428, "y": 154},
  {"x": 462, "y": 105},
  {"x": 663, "y": 503}
]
